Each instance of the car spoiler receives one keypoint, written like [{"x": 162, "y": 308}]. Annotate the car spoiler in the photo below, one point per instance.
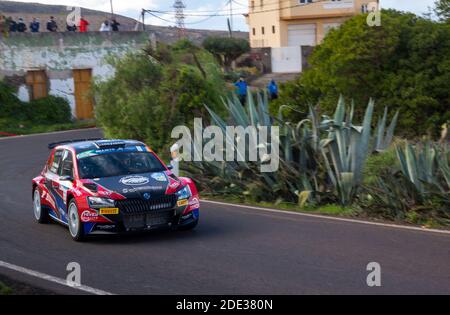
[{"x": 51, "y": 146}]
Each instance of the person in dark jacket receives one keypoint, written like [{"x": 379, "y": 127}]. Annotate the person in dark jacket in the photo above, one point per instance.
[
  {"x": 12, "y": 25},
  {"x": 115, "y": 25},
  {"x": 272, "y": 88},
  {"x": 242, "y": 87},
  {"x": 51, "y": 25},
  {"x": 34, "y": 26},
  {"x": 21, "y": 26},
  {"x": 71, "y": 28}
]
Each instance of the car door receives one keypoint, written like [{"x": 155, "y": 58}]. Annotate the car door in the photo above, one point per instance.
[
  {"x": 65, "y": 180},
  {"x": 52, "y": 183}
]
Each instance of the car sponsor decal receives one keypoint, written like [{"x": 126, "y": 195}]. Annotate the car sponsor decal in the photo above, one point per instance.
[
  {"x": 142, "y": 188},
  {"x": 160, "y": 177},
  {"x": 134, "y": 180},
  {"x": 109, "y": 211},
  {"x": 182, "y": 203},
  {"x": 89, "y": 216}
]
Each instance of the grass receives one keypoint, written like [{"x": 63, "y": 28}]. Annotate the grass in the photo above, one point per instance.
[
  {"x": 334, "y": 210},
  {"x": 29, "y": 128},
  {"x": 5, "y": 290}
]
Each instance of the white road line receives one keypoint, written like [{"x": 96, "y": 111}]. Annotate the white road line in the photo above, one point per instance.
[
  {"x": 318, "y": 216},
  {"x": 48, "y": 133},
  {"x": 53, "y": 279}
]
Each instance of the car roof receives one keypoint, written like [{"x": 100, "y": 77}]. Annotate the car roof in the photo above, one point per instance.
[{"x": 87, "y": 145}]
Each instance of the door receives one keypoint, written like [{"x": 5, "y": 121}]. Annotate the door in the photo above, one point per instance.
[
  {"x": 286, "y": 60},
  {"x": 52, "y": 185},
  {"x": 84, "y": 103},
  {"x": 37, "y": 81},
  {"x": 301, "y": 35}
]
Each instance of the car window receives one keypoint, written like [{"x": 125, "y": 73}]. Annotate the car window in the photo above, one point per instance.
[
  {"x": 54, "y": 166},
  {"x": 118, "y": 164},
  {"x": 66, "y": 167}
]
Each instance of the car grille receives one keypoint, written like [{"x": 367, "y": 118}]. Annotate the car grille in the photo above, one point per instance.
[
  {"x": 138, "y": 214},
  {"x": 139, "y": 206}
]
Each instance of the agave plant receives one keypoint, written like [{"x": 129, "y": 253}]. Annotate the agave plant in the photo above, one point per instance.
[
  {"x": 426, "y": 165},
  {"x": 308, "y": 150}
]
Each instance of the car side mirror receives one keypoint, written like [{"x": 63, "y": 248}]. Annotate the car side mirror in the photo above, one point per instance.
[
  {"x": 170, "y": 167},
  {"x": 66, "y": 179}
]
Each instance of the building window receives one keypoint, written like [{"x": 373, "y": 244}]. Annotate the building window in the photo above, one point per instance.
[
  {"x": 273, "y": 29},
  {"x": 254, "y": 31},
  {"x": 365, "y": 8},
  {"x": 305, "y": 1},
  {"x": 37, "y": 81},
  {"x": 262, "y": 30},
  {"x": 253, "y": 5},
  {"x": 262, "y": 4}
]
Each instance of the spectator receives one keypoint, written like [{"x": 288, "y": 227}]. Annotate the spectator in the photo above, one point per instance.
[
  {"x": 105, "y": 27},
  {"x": 115, "y": 25},
  {"x": 21, "y": 26},
  {"x": 35, "y": 25},
  {"x": 242, "y": 90},
  {"x": 272, "y": 88},
  {"x": 12, "y": 25},
  {"x": 83, "y": 25},
  {"x": 51, "y": 25},
  {"x": 71, "y": 28}
]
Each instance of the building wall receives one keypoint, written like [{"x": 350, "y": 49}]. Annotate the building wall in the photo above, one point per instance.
[
  {"x": 59, "y": 54},
  {"x": 283, "y": 13}
]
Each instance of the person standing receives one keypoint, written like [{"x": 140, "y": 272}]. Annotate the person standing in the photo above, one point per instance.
[
  {"x": 105, "y": 27},
  {"x": 242, "y": 87},
  {"x": 34, "y": 26},
  {"x": 71, "y": 27},
  {"x": 272, "y": 88},
  {"x": 84, "y": 24},
  {"x": 21, "y": 26},
  {"x": 12, "y": 25},
  {"x": 115, "y": 25},
  {"x": 52, "y": 26}
]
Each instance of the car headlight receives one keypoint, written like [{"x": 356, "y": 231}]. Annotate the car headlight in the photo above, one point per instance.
[
  {"x": 184, "y": 193},
  {"x": 97, "y": 202}
]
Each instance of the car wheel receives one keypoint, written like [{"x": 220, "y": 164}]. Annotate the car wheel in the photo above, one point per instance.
[
  {"x": 189, "y": 226},
  {"x": 75, "y": 224},
  {"x": 40, "y": 213}
]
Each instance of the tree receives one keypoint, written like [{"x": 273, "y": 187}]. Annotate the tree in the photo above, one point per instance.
[
  {"x": 226, "y": 49},
  {"x": 155, "y": 90},
  {"x": 402, "y": 64},
  {"x": 442, "y": 10}
]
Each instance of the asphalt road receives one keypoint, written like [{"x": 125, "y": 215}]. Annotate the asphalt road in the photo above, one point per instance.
[{"x": 233, "y": 251}]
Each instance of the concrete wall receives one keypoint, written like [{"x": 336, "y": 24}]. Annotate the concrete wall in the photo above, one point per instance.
[{"x": 59, "y": 54}]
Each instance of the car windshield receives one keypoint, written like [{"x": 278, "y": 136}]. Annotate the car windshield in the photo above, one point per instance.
[{"x": 118, "y": 164}]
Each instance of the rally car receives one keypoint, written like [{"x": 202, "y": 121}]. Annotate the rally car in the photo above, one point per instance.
[{"x": 112, "y": 186}]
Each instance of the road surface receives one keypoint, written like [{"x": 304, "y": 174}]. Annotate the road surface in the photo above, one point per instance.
[{"x": 233, "y": 251}]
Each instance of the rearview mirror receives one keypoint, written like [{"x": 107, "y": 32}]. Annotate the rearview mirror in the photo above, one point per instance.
[
  {"x": 170, "y": 167},
  {"x": 66, "y": 178}
]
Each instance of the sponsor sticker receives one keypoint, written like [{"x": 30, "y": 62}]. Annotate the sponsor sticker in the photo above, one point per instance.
[
  {"x": 182, "y": 203},
  {"x": 134, "y": 180},
  {"x": 106, "y": 211},
  {"x": 160, "y": 177},
  {"x": 89, "y": 216}
]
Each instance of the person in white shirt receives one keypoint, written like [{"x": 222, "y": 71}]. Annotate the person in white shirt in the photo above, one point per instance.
[{"x": 105, "y": 27}]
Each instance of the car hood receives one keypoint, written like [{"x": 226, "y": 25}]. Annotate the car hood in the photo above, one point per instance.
[{"x": 137, "y": 185}]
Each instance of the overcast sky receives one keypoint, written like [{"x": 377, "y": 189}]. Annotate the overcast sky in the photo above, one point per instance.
[{"x": 203, "y": 8}]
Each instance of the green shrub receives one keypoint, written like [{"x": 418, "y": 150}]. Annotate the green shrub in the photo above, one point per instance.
[
  {"x": 49, "y": 110},
  {"x": 156, "y": 90},
  {"x": 403, "y": 64}
]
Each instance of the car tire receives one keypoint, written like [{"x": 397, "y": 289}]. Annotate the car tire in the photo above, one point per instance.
[
  {"x": 76, "y": 228},
  {"x": 189, "y": 226},
  {"x": 40, "y": 213}
]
